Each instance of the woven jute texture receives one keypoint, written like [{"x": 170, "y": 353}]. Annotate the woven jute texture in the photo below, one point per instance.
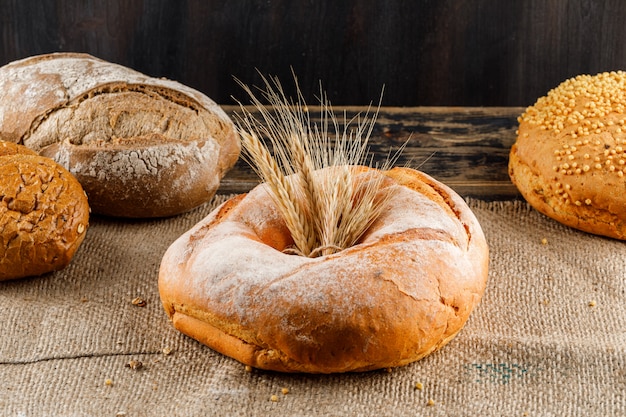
[{"x": 548, "y": 338}]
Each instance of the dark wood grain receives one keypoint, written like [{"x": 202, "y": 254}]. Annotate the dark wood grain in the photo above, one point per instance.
[
  {"x": 425, "y": 52},
  {"x": 466, "y": 148}
]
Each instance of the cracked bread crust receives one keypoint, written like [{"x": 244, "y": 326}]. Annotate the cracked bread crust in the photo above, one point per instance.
[
  {"x": 44, "y": 214},
  {"x": 140, "y": 146},
  {"x": 406, "y": 289}
]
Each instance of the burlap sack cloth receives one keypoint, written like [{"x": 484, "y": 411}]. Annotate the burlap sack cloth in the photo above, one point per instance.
[{"x": 548, "y": 339}]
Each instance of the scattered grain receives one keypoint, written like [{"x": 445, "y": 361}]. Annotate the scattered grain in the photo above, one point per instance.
[
  {"x": 274, "y": 398},
  {"x": 134, "y": 364},
  {"x": 139, "y": 302},
  {"x": 419, "y": 386}
]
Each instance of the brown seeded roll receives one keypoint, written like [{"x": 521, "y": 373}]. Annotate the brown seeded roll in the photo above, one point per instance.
[
  {"x": 140, "y": 146},
  {"x": 44, "y": 214},
  {"x": 405, "y": 290},
  {"x": 569, "y": 159}
]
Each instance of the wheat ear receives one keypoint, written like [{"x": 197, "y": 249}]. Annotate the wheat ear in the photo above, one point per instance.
[
  {"x": 311, "y": 174},
  {"x": 283, "y": 192}
]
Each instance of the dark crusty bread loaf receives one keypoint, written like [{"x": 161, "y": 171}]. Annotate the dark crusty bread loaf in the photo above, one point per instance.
[
  {"x": 44, "y": 213},
  {"x": 140, "y": 146},
  {"x": 405, "y": 290}
]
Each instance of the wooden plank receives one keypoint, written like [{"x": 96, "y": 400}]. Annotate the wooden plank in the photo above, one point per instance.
[{"x": 465, "y": 148}]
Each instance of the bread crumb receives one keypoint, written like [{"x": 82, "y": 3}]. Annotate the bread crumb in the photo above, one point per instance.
[
  {"x": 167, "y": 351},
  {"x": 544, "y": 241},
  {"x": 430, "y": 402},
  {"x": 120, "y": 414},
  {"x": 134, "y": 364},
  {"x": 419, "y": 386},
  {"x": 139, "y": 302},
  {"x": 274, "y": 398},
  {"x": 285, "y": 391},
  {"x": 108, "y": 382},
  {"x": 592, "y": 303},
  {"x": 248, "y": 368}
]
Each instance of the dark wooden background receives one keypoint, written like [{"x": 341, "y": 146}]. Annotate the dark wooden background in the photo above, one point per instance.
[{"x": 425, "y": 52}]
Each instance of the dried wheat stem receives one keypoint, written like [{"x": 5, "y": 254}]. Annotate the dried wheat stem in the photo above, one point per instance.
[
  {"x": 282, "y": 190},
  {"x": 303, "y": 164},
  {"x": 329, "y": 204}
]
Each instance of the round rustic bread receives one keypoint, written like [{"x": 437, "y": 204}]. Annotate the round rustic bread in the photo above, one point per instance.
[
  {"x": 402, "y": 292},
  {"x": 569, "y": 159},
  {"x": 140, "y": 146},
  {"x": 44, "y": 214}
]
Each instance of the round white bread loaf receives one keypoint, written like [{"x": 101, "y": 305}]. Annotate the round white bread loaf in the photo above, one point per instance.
[
  {"x": 44, "y": 214},
  {"x": 140, "y": 146},
  {"x": 569, "y": 159},
  {"x": 403, "y": 291}
]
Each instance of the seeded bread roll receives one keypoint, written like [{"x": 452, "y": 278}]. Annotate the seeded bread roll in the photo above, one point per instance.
[
  {"x": 140, "y": 146},
  {"x": 404, "y": 290},
  {"x": 569, "y": 159},
  {"x": 44, "y": 214}
]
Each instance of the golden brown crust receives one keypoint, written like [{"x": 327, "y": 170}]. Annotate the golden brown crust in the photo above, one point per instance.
[
  {"x": 569, "y": 159},
  {"x": 10, "y": 148},
  {"x": 44, "y": 214},
  {"x": 140, "y": 146},
  {"x": 404, "y": 291}
]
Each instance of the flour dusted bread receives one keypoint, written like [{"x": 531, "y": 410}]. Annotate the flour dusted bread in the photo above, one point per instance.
[
  {"x": 44, "y": 214},
  {"x": 140, "y": 146},
  {"x": 569, "y": 159},
  {"x": 404, "y": 290}
]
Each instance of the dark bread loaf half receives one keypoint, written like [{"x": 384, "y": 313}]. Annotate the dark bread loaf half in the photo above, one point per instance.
[{"x": 140, "y": 146}]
